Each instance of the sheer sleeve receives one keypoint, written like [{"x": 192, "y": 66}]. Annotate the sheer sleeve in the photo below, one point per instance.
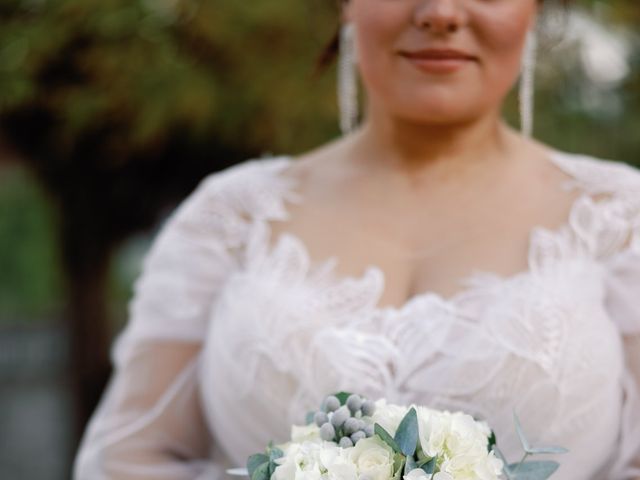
[
  {"x": 623, "y": 304},
  {"x": 149, "y": 423}
]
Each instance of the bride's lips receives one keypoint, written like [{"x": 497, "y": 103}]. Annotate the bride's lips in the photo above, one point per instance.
[{"x": 438, "y": 60}]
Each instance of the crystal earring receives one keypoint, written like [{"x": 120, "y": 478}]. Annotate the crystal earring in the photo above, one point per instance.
[
  {"x": 347, "y": 79},
  {"x": 526, "y": 91}
]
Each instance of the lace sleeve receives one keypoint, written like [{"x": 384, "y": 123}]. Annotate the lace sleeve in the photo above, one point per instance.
[
  {"x": 149, "y": 423},
  {"x": 623, "y": 304}
]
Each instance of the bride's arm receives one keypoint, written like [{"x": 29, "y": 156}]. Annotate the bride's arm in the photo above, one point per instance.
[
  {"x": 150, "y": 422},
  {"x": 623, "y": 303},
  {"x": 632, "y": 352}
]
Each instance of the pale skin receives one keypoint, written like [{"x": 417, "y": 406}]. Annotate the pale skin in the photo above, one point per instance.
[{"x": 434, "y": 184}]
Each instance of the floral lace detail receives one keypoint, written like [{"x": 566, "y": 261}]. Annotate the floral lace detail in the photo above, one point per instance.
[
  {"x": 302, "y": 325},
  {"x": 595, "y": 229}
]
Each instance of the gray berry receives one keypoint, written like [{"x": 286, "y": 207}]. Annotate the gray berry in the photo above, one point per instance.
[
  {"x": 354, "y": 402},
  {"x": 340, "y": 416},
  {"x": 327, "y": 432},
  {"x": 359, "y": 435},
  {"x": 345, "y": 442},
  {"x": 369, "y": 430},
  {"x": 368, "y": 408},
  {"x": 320, "y": 418},
  {"x": 331, "y": 403},
  {"x": 351, "y": 425}
]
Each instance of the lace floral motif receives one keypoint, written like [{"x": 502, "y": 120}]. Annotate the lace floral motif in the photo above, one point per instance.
[{"x": 540, "y": 341}]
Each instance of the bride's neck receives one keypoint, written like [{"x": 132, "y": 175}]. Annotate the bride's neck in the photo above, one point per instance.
[{"x": 415, "y": 148}]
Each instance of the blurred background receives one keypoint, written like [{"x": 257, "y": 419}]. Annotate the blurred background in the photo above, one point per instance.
[{"x": 111, "y": 111}]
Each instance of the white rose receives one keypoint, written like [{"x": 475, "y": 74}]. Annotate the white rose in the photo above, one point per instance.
[
  {"x": 373, "y": 458},
  {"x": 305, "y": 433}
]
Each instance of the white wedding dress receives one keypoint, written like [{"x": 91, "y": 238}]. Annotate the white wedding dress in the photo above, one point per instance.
[{"x": 230, "y": 341}]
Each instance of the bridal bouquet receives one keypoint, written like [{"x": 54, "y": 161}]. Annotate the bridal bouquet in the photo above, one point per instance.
[{"x": 354, "y": 438}]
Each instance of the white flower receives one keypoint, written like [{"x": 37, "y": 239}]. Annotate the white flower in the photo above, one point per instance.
[
  {"x": 338, "y": 464},
  {"x": 373, "y": 458},
  {"x": 419, "y": 474},
  {"x": 300, "y": 463},
  {"x": 460, "y": 441},
  {"x": 388, "y": 416},
  {"x": 305, "y": 433},
  {"x": 313, "y": 460}
]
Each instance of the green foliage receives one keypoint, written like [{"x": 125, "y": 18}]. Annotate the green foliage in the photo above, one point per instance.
[
  {"x": 30, "y": 283},
  {"x": 407, "y": 433},
  {"x": 386, "y": 437},
  {"x": 261, "y": 466},
  {"x": 226, "y": 66}
]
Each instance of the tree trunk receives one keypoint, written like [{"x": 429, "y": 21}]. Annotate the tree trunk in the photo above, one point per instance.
[{"x": 86, "y": 265}]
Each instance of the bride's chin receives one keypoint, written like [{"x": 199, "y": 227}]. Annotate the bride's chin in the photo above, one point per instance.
[{"x": 430, "y": 118}]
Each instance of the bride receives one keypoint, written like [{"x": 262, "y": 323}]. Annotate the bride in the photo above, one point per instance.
[{"x": 431, "y": 255}]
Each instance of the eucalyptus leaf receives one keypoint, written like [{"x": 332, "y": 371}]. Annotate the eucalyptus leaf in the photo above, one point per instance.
[
  {"x": 398, "y": 466},
  {"x": 533, "y": 470},
  {"x": 506, "y": 470},
  {"x": 550, "y": 449},
  {"x": 523, "y": 438},
  {"x": 409, "y": 464},
  {"x": 407, "y": 433},
  {"x": 386, "y": 437},
  {"x": 430, "y": 465},
  {"x": 261, "y": 473},
  {"x": 398, "y": 462},
  {"x": 254, "y": 461},
  {"x": 275, "y": 453}
]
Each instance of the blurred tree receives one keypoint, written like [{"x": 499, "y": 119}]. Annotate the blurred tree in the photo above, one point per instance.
[{"x": 120, "y": 106}]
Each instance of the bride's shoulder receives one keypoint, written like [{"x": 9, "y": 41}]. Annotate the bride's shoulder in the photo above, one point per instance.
[
  {"x": 600, "y": 174},
  {"x": 249, "y": 185}
]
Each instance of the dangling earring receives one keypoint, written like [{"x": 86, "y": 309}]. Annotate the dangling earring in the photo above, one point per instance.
[
  {"x": 527, "y": 75},
  {"x": 347, "y": 80}
]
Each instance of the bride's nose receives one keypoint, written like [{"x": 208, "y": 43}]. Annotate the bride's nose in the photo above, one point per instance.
[{"x": 439, "y": 16}]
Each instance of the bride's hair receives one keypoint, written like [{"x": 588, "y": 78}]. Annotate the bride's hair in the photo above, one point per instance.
[{"x": 330, "y": 51}]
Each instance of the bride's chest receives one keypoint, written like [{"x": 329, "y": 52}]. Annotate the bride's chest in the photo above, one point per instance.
[{"x": 290, "y": 316}]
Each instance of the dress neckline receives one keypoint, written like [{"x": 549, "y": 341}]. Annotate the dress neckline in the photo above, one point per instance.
[{"x": 469, "y": 284}]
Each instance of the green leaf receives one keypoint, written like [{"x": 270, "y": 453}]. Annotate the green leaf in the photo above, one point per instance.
[
  {"x": 386, "y": 437},
  {"x": 429, "y": 466},
  {"x": 398, "y": 465},
  {"x": 254, "y": 461},
  {"x": 492, "y": 440},
  {"x": 409, "y": 465},
  {"x": 398, "y": 462},
  {"x": 342, "y": 396},
  {"x": 550, "y": 449},
  {"x": 534, "y": 470},
  {"x": 262, "y": 472},
  {"x": 521, "y": 435},
  {"x": 407, "y": 433},
  {"x": 309, "y": 418},
  {"x": 275, "y": 453}
]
